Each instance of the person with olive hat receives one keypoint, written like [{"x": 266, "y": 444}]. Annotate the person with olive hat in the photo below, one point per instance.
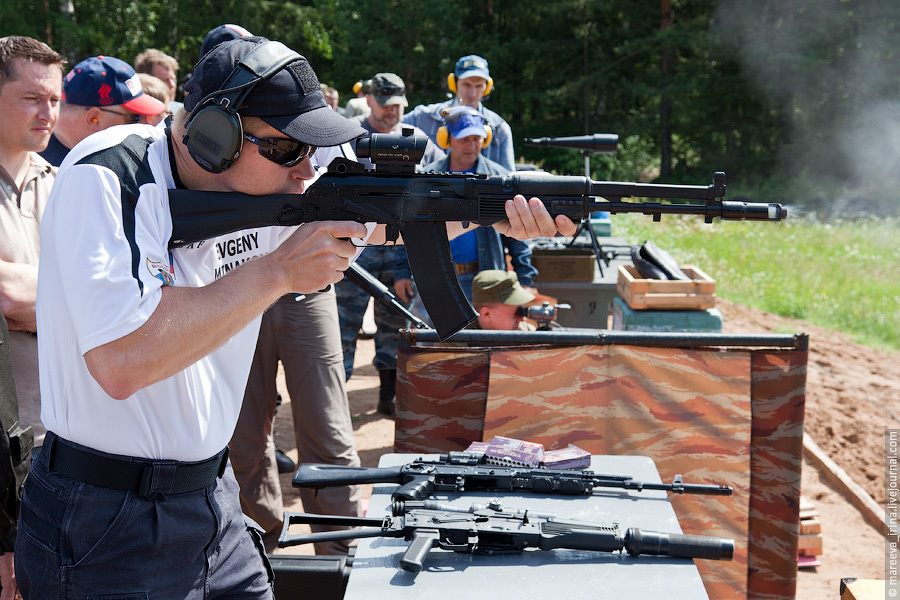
[{"x": 497, "y": 296}]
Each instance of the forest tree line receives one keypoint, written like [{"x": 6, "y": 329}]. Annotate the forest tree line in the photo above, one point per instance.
[{"x": 794, "y": 99}]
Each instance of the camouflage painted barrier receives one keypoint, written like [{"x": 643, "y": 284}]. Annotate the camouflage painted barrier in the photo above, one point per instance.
[{"x": 717, "y": 415}]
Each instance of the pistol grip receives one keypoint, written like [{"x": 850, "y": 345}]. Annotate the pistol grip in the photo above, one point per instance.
[
  {"x": 423, "y": 540},
  {"x": 417, "y": 488}
]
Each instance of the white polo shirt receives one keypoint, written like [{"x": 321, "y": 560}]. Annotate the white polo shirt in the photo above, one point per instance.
[{"x": 104, "y": 260}]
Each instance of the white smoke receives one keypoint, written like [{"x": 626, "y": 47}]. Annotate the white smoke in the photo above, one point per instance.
[{"x": 833, "y": 70}]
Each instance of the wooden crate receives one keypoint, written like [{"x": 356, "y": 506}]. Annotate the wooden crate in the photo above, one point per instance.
[
  {"x": 863, "y": 589},
  {"x": 657, "y": 294},
  {"x": 810, "y": 543}
]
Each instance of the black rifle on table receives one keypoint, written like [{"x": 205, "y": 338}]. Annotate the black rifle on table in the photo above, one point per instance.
[
  {"x": 459, "y": 472},
  {"x": 494, "y": 530},
  {"x": 419, "y": 205}
]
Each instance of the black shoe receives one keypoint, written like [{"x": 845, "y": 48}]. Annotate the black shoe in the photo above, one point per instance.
[
  {"x": 386, "y": 407},
  {"x": 284, "y": 462},
  {"x": 387, "y": 391}
]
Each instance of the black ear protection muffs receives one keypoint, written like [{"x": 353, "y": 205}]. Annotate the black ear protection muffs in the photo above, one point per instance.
[
  {"x": 451, "y": 84},
  {"x": 213, "y": 132}
]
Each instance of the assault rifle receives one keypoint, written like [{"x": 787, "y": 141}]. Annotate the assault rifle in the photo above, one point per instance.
[
  {"x": 421, "y": 478},
  {"x": 496, "y": 531},
  {"x": 419, "y": 205}
]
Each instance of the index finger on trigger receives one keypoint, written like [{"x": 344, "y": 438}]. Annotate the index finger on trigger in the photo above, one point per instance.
[{"x": 347, "y": 229}]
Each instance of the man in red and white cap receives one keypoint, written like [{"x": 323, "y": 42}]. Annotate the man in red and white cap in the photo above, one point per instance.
[{"x": 99, "y": 92}]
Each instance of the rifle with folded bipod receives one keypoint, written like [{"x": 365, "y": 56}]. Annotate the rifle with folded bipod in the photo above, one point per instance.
[{"x": 462, "y": 472}]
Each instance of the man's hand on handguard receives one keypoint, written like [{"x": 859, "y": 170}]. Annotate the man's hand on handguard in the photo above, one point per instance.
[
  {"x": 530, "y": 219},
  {"x": 317, "y": 254}
]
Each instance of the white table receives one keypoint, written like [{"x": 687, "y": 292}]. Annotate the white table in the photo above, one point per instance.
[{"x": 558, "y": 574}]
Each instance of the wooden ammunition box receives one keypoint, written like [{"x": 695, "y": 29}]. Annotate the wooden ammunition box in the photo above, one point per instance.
[
  {"x": 569, "y": 264},
  {"x": 658, "y": 294}
]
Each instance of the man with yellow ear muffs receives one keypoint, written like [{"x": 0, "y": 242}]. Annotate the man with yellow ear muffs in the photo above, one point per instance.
[
  {"x": 471, "y": 83},
  {"x": 358, "y": 106},
  {"x": 466, "y": 134}
]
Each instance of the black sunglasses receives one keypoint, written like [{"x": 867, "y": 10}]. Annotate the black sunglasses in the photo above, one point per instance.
[
  {"x": 389, "y": 90},
  {"x": 130, "y": 117},
  {"x": 282, "y": 151}
]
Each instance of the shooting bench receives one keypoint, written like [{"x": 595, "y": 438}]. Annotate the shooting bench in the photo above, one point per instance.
[
  {"x": 714, "y": 407},
  {"x": 376, "y": 572}
]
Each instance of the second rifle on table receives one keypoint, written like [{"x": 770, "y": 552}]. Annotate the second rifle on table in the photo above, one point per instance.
[{"x": 462, "y": 472}]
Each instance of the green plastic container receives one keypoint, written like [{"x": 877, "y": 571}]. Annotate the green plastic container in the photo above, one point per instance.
[{"x": 695, "y": 321}]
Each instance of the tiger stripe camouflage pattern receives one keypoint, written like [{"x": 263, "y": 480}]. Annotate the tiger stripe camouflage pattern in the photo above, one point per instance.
[{"x": 717, "y": 416}]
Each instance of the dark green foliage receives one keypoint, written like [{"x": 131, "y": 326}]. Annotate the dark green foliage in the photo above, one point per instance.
[{"x": 772, "y": 90}]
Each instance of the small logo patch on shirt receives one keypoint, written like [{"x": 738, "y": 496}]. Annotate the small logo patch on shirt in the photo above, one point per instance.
[{"x": 162, "y": 270}]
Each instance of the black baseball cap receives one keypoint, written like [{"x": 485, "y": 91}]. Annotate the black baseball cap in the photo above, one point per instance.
[
  {"x": 220, "y": 34},
  {"x": 291, "y": 101}
]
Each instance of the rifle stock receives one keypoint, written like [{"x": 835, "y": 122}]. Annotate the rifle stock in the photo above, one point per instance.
[{"x": 419, "y": 205}]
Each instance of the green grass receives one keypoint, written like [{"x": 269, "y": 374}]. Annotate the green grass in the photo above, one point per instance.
[{"x": 843, "y": 276}]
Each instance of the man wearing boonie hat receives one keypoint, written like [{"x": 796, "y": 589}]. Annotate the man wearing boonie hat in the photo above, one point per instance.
[
  {"x": 497, "y": 295},
  {"x": 99, "y": 92},
  {"x": 471, "y": 82},
  {"x": 145, "y": 351}
]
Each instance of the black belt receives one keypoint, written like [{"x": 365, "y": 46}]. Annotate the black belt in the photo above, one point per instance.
[{"x": 143, "y": 476}]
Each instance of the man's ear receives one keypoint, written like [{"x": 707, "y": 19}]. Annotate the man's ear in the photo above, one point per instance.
[
  {"x": 484, "y": 313},
  {"x": 92, "y": 117}
]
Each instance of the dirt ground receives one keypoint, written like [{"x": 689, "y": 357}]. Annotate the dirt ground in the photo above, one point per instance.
[{"x": 853, "y": 395}]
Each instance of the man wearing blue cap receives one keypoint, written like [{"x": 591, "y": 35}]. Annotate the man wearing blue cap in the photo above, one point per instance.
[
  {"x": 484, "y": 248},
  {"x": 145, "y": 350},
  {"x": 99, "y": 92},
  {"x": 471, "y": 82}
]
